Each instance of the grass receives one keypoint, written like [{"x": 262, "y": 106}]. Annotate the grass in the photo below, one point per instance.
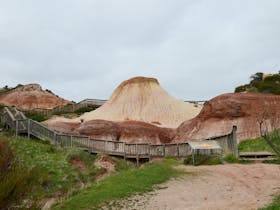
[
  {"x": 254, "y": 145},
  {"x": 121, "y": 185},
  {"x": 276, "y": 161},
  {"x": 57, "y": 176},
  {"x": 275, "y": 205},
  {"x": 203, "y": 160},
  {"x": 230, "y": 158},
  {"x": 37, "y": 116}
]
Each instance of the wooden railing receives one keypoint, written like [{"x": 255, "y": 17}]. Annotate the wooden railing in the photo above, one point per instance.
[{"x": 127, "y": 150}]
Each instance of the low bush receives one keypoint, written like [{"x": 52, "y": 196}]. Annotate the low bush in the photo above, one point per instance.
[
  {"x": 121, "y": 164},
  {"x": 254, "y": 145},
  {"x": 230, "y": 158},
  {"x": 84, "y": 109},
  {"x": 275, "y": 205},
  {"x": 203, "y": 160},
  {"x": 15, "y": 179},
  {"x": 276, "y": 161},
  {"x": 37, "y": 116}
]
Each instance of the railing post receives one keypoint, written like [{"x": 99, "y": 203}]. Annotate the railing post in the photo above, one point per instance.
[
  {"x": 149, "y": 152},
  {"x": 16, "y": 128},
  {"x": 105, "y": 143},
  {"x": 178, "y": 153},
  {"x": 124, "y": 153},
  {"x": 234, "y": 141},
  {"x": 28, "y": 128},
  {"x": 71, "y": 141},
  {"x": 89, "y": 145},
  {"x": 137, "y": 155},
  {"x": 54, "y": 138},
  {"x": 164, "y": 150}
]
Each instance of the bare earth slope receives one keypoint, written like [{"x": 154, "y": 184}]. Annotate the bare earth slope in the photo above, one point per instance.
[
  {"x": 245, "y": 110},
  {"x": 29, "y": 97},
  {"x": 219, "y": 187}
]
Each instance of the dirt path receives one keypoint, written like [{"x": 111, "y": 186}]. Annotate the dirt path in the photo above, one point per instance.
[{"x": 220, "y": 187}]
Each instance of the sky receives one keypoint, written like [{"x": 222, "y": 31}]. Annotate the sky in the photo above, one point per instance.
[{"x": 197, "y": 49}]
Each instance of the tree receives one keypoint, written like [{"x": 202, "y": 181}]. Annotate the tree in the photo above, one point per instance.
[{"x": 257, "y": 77}]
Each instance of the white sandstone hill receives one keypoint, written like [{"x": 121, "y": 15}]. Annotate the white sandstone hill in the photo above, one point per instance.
[{"x": 143, "y": 99}]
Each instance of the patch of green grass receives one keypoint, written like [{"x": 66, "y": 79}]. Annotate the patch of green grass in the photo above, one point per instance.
[
  {"x": 275, "y": 205},
  {"x": 121, "y": 164},
  {"x": 85, "y": 109},
  {"x": 37, "y": 116},
  {"x": 203, "y": 160},
  {"x": 57, "y": 175},
  {"x": 276, "y": 161},
  {"x": 230, "y": 158},
  {"x": 254, "y": 145},
  {"x": 121, "y": 185}
]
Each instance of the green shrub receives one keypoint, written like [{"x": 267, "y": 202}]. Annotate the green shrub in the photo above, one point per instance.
[
  {"x": 258, "y": 84},
  {"x": 84, "y": 109},
  {"x": 275, "y": 205},
  {"x": 254, "y": 145},
  {"x": 15, "y": 179},
  {"x": 230, "y": 158},
  {"x": 203, "y": 160},
  {"x": 276, "y": 161},
  {"x": 121, "y": 164},
  {"x": 37, "y": 116}
]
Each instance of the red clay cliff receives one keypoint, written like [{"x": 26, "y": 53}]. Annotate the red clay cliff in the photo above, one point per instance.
[
  {"x": 247, "y": 111},
  {"x": 30, "y": 97}
]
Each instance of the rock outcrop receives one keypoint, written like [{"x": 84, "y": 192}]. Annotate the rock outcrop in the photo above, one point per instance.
[
  {"x": 127, "y": 131},
  {"x": 251, "y": 113},
  {"x": 143, "y": 99},
  {"x": 139, "y": 110},
  {"x": 30, "y": 97}
]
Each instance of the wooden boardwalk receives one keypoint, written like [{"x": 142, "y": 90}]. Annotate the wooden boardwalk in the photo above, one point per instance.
[
  {"x": 257, "y": 156},
  {"x": 16, "y": 121}
]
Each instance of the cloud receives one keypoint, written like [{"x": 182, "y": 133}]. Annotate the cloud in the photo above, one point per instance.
[{"x": 84, "y": 48}]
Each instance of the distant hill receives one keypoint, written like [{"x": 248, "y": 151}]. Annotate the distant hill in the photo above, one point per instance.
[
  {"x": 261, "y": 83},
  {"x": 29, "y": 97}
]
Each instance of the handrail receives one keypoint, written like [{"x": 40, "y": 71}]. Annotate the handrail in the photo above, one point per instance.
[
  {"x": 108, "y": 146},
  {"x": 9, "y": 113}
]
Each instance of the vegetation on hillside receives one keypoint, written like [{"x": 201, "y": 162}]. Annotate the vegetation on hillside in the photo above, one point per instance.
[
  {"x": 254, "y": 145},
  {"x": 275, "y": 205},
  {"x": 121, "y": 185},
  {"x": 261, "y": 83},
  {"x": 33, "y": 171},
  {"x": 38, "y": 171}
]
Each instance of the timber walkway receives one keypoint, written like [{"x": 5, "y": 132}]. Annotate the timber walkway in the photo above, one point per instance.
[{"x": 16, "y": 120}]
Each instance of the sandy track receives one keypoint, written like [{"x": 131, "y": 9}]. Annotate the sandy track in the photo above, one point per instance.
[{"x": 220, "y": 187}]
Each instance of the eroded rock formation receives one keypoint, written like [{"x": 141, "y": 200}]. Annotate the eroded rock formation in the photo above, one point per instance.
[
  {"x": 139, "y": 110},
  {"x": 143, "y": 99},
  {"x": 29, "y": 97},
  {"x": 251, "y": 113}
]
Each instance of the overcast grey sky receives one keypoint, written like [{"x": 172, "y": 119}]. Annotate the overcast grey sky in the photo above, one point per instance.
[{"x": 197, "y": 49}]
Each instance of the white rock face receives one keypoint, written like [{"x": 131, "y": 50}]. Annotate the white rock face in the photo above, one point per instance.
[{"x": 143, "y": 99}]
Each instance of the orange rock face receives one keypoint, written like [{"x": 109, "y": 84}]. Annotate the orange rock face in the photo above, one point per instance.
[
  {"x": 251, "y": 113},
  {"x": 126, "y": 131},
  {"x": 29, "y": 97}
]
